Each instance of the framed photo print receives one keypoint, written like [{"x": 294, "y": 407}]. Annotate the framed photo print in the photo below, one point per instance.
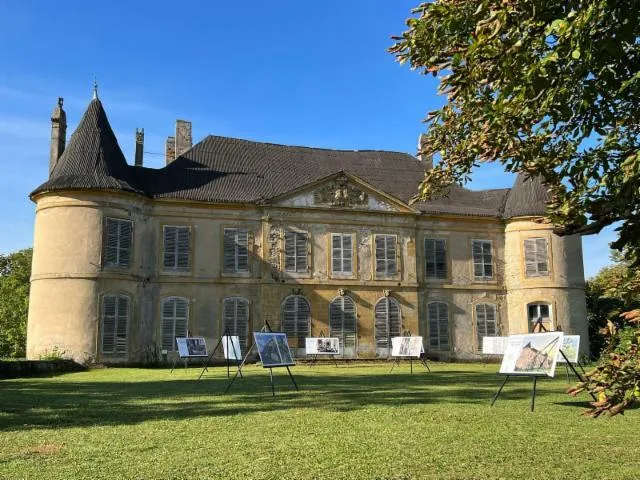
[
  {"x": 322, "y": 346},
  {"x": 494, "y": 345},
  {"x": 532, "y": 354},
  {"x": 191, "y": 347},
  {"x": 406, "y": 346},
  {"x": 273, "y": 349},
  {"x": 231, "y": 347},
  {"x": 571, "y": 348}
]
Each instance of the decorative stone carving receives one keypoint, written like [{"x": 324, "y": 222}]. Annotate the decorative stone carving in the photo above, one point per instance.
[
  {"x": 274, "y": 250},
  {"x": 340, "y": 194}
]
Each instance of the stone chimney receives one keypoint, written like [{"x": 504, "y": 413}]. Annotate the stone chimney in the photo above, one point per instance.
[
  {"x": 139, "y": 146},
  {"x": 58, "y": 134},
  {"x": 426, "y": 159},
  {"x": 170, "y": 150},
  {"x": 183, "y": 137}
]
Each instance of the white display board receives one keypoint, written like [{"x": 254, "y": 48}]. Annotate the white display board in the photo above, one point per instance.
[
  {"x": 532, "y": 354},
  {"x": 231, "y": 347},
  {"x": 273, "y": 349},
  {"x": 494, "y": 345},
  {"x": 191, "y": 347},
  {"x": 571, "y": 348},
  {"x": 322, "y": 346},
  {"x": 406, "y": 346}
]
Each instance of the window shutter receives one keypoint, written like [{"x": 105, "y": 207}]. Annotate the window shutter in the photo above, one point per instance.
[
  {"x": 301, "y": 252},
  {"x": 438, "y": 320},
  {"x": 492, "y": 327},
  {"x": 235, "y": 319},
  {"x": 381, "y": 255},
  {"x": 169, "y": 255},
  {"x": 382, "y": 324},
  {"x": 392, "y": 260},
  {"x": 243, "y": 250},
  {"x": 440, "y": 259},
  {"x": 432, "y": 314},
  {"x": 295, "y": 319},
  {"x": 343, "y": 321},
  {"x": 541, "y": 256},
  {"x": 289, "y": 317},
  {"x": 111, "y": 242},
  {"x": 530, "y": 257},
  {"x": 183, "y": 247},
  {"x": 181, "y": 318},
  {"x": 109, "y": 313},
  {"x": 126, "y": 240},
  {"x": 443, "y": 326},
  {"x": 290, "y": 251},
  {"x": 229, "y": 250},
  {"x": 122, "y": 326},
  {"x": 175, "y": 320}
]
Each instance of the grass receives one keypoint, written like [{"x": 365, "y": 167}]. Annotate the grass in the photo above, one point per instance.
[{"x": 352, "y": 421}]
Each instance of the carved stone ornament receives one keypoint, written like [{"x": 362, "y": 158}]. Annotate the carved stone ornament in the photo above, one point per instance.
[
  {"x": 342, "y": 292},
  {"x": 339, "y": 193},
  {"x": 386, "y": 293}
]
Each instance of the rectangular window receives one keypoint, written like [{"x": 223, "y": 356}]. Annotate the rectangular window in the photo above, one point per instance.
[
  {"x": 295, "y": 251},
  {"x": 177, "y": 246},
  {"x": 115, "y": 323},
  {"x": 342, "y": 253},
  {"x": 236, "y": 250},
  {"x": 435, "y": 254},
  {"x": 486, "y": 323},
  {"x": 175, "y": 320},
  {"x": 118, "y": 238},
  {"x": 536, "y": 257},
  {"x": 386, "y": 261},
  {"x": 482, "y": 259},
  {"x": 438, "y": 319}
]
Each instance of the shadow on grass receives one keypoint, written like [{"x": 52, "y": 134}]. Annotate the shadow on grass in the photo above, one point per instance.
[{"x": 56, "y": 402}]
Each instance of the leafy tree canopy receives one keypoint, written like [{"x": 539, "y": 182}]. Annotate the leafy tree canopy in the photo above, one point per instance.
[
  {"x": 15, "y": 272},
  {"x": 548, "y": 88}
]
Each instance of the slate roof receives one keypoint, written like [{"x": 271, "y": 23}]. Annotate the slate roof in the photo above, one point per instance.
[
  {"x": 231, "y": 170},
  {"x": 528, "y": 197}
]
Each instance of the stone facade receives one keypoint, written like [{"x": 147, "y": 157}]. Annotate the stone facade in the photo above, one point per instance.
[{"x": 71, "y": 276}]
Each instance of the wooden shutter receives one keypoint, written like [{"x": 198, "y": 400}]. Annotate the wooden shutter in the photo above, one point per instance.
[
  {"x": 109, "y": 319},
  {"x": 388, "y": 323},
  {"x": 542, "y": 264},
  {"x": 290, "y": 251},
  {"x": 229, "y": 250},
  {"x": 295, "y": 319},
  {"x": 183, "y": 247},
  {"x": 175, "y": 319},
  {"x": 486, "y": 324},
  {"x": 122, "y": 326},
  {"x": 170, "y": 243},
  {"x": 181, "y": 317},
  {"x": 126, "y": 240},
  {"x": 242, "y": 252},
  {"x": 438, "y": 320},
  {"x": 111, "y": 242},
  {"x": 530, "y": 257},
  {"x": 235, "y": 319},
  {"x": 302, "y": 243},
  {"x": 343, "y": 323},
  {"x": 381, "y": 255}
]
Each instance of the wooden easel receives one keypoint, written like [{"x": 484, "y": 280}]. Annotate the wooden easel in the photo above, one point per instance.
[
  {"x": 265, "y": 328},
  {"x": 226, "y": 335}
]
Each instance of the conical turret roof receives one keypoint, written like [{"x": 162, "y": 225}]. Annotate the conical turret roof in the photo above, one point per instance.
[
  {"x": 528, "y": 197},
  {"x": 93, "y": 159}
]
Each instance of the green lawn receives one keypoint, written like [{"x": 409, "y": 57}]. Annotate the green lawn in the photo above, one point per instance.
[{"x": 352, "y": 421}]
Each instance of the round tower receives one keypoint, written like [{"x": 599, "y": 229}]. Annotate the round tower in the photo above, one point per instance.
[{"x": 544, "y": 275}]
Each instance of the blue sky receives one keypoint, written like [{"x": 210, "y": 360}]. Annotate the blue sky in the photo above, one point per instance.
[{"x": 292, "y": 72}]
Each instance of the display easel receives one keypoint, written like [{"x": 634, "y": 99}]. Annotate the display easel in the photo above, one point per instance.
[
  {"x": 422, "y": 358},
  {"x": 225, "y": 335},
  {"x": 265, "y": 328},
  {"x": 538, "y": 328},
  {"x": 186, "y": 359},
  {"x": 314, "y": 360}
]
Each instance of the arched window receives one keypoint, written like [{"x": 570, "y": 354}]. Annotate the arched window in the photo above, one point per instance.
[
  {"x": 175, "y": 318},
  {"x": 539, "y": 314},
  {"x": 115, "y": 323},
  {"x": 235, "y": 319},
  {"x": 388, "y": 324},
  {"x": 438, "y": 320},
  {"x": 343, "y": 324},
  {"x": 486, "y": 321},
  {"x": 296, "y": 316}
]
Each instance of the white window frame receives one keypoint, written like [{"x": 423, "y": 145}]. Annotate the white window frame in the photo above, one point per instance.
[
  {"x": 118, "y": 247},
  {"x": 177, "y": 253},
  {"x": 174, "y": 318},
  {"x": 120, "y": 342},
  {"x": 535, "y": 264},
  {"x": 435, "y": 275},
  {"x": 484, "y": 330},
  {"x": 236, "y": 246},
  {"x": 481, "y": 262},
  {"x": 438, "y": 326},
  {"x": 297, "y": 256},
  {"x": 342, "y": 250},
  {"x": 549, "y": 323},
  {"x": 388, "y": 259}
]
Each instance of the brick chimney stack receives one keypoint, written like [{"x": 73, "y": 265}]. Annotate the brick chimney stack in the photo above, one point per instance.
[
  {"x": 58, "y": 134},
  {"x": 139, "y": 147},
  {"x": 183, "y": 137},
  {"x": 426, "y": 159}
]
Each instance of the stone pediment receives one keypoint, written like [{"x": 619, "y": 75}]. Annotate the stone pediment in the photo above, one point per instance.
[{"x": 342, "y": 192}]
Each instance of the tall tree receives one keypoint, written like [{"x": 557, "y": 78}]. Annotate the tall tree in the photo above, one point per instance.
[
  {"x": 15, "y": 272},
  {"x": 548, "y": 88}
]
